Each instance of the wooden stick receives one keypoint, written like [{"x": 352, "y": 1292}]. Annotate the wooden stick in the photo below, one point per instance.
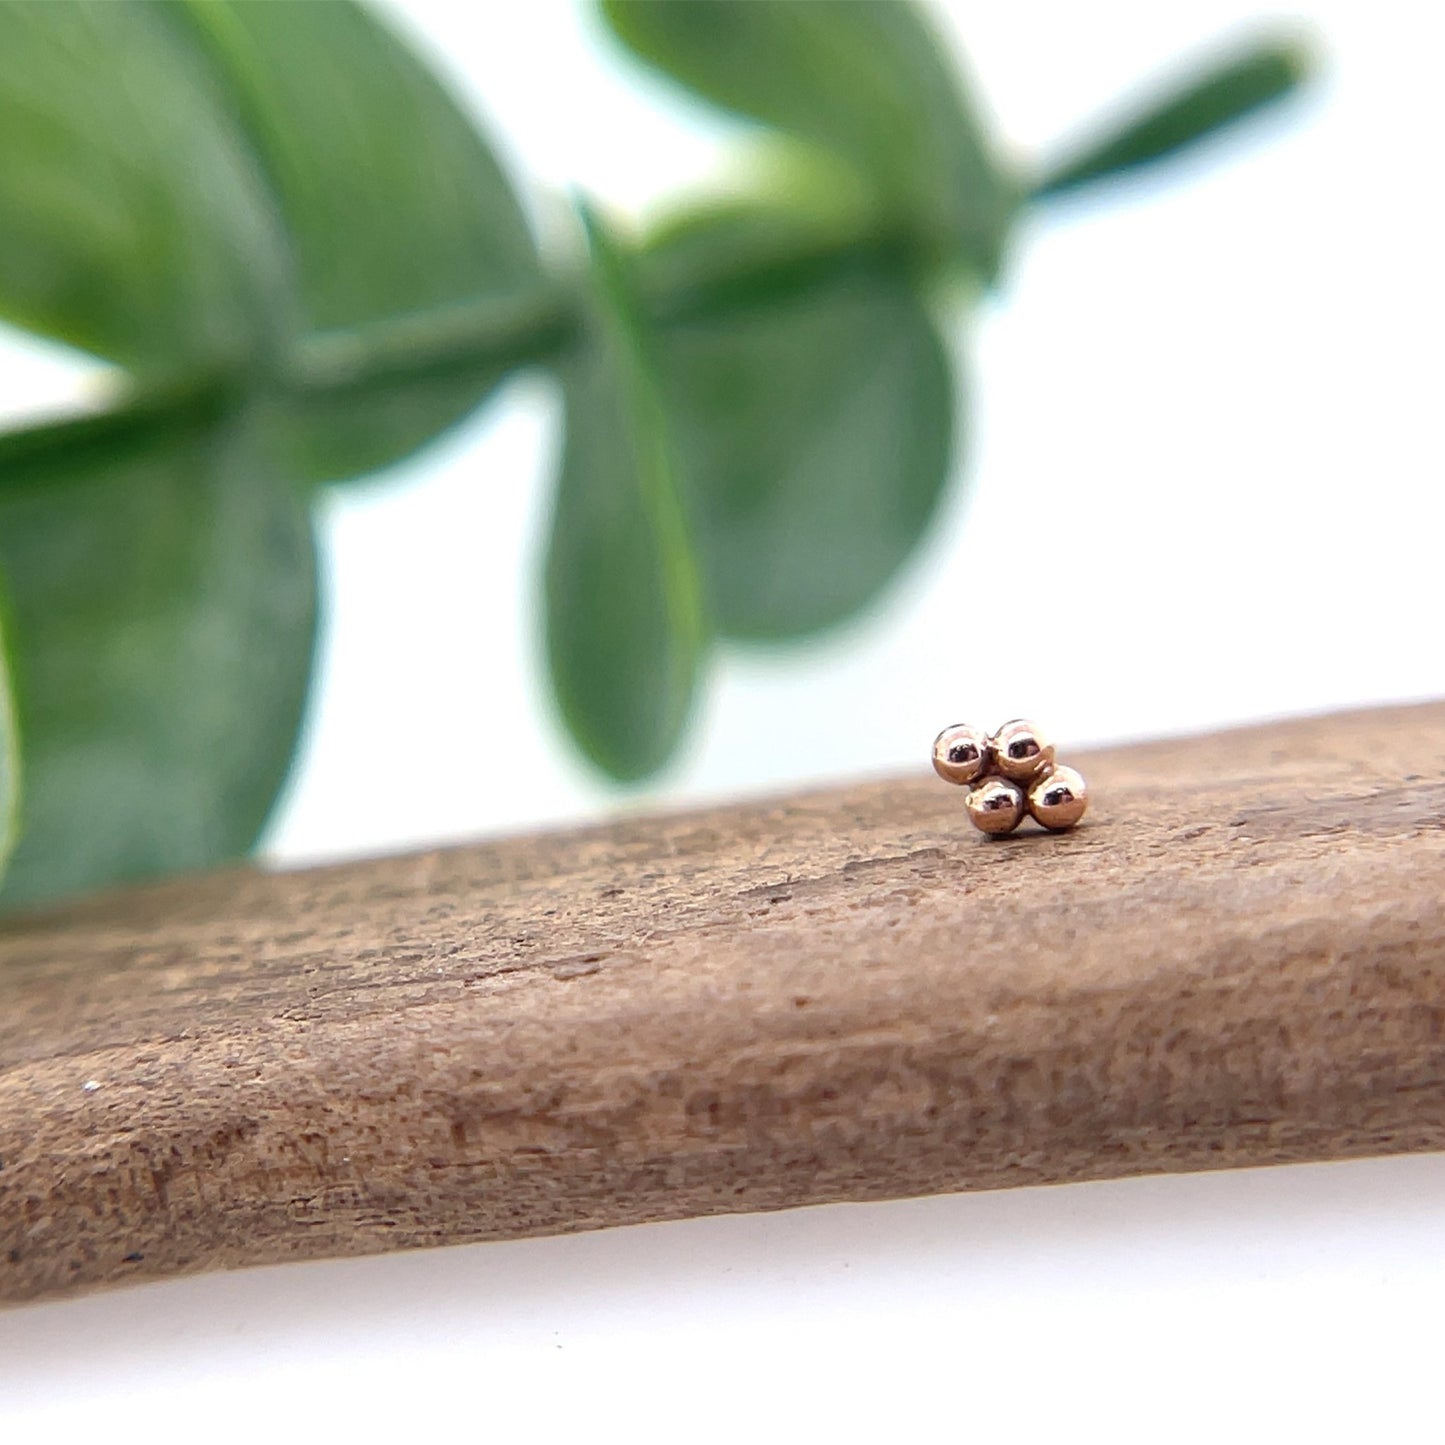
[{"x": 1239, "y": 958}]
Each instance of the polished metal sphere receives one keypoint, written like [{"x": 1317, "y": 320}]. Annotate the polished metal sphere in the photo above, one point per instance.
[
  {"x": 1021, "y": 751},
  {"x": 961, "y": 753},
  {"x": 1058, "y": 800},
  {"x": 996, "y": 806}
]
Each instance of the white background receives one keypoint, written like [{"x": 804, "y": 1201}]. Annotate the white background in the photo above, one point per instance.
[{"x": 1227, "y": 381}]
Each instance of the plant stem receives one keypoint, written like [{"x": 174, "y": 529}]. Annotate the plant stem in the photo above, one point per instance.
[
  {"x": 485, "y": 338},
  {"x": 135, "y": 421},
  {"x": 478, "y": 337}
]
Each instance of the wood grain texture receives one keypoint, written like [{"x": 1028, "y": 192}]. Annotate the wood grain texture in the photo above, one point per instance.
[{"x": 1238, "y": 959}]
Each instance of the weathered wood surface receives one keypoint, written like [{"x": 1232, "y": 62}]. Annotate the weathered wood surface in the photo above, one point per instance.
[{"x": 1238, "y": 959}]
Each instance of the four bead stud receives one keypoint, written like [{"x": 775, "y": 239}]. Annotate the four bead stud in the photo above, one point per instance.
[{"x": 1010, "y": 773}]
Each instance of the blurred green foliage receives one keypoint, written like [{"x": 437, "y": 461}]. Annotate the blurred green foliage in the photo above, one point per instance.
[{"x": 306, "y": 263}]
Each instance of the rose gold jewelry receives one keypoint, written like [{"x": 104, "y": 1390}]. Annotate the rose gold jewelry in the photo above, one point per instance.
[
  {"x": 1059, "y": 799},
  {"x": 961, "y": 754},
  {"x": 1010, "y": 773},
  {"x": 995, "y": 805},
  {"x": 1021, "y": 750}
]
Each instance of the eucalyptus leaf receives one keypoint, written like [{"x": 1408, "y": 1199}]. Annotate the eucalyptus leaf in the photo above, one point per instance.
[
  {"x": 624, "y": 619},
  {"x": 865, "y": 79},
  {"x": 10, "y": 779},
  {"x": 814, "y": 433},
  {"x": 393, "y": 201},
  {"x": 1231, "y": 88},
  {"x": 133, "y": 224},
  {"x": 162, "y": 611},
  {"x": 801, "y": 222}
]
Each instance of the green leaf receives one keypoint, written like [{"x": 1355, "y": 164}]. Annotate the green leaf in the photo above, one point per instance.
[
  {"x": 624, "y": 620},
  {"x": 162, "y": 611},
  {"x": 866, "y": 79},
  {"x": 1227, "y": 91},
  {"x": 10, "y": 781},
  {"x": 799, "y": 218},
  {"x": 393, "y": 201},
  {"x": 813, "y": 431},
  {"x": 132, "y": 223}
]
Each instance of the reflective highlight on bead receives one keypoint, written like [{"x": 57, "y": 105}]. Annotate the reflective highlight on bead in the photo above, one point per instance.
[
  {"x": 1022, "y": 751},
  {"x": 961, "y": 754},
  {"x": 995, "y": 806},
  {"x": 1058, "y": 800}
]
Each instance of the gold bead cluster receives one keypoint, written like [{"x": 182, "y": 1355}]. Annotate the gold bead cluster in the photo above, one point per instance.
[{"x": 1010, "y": 773}]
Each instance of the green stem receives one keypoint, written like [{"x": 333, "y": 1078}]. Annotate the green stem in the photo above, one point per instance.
[
  {"x": 482, "y": 338},
  {"x": 486, "y": 338},
  {"x": 122, "y": 430},
  {"x": 472, "y": 338}
]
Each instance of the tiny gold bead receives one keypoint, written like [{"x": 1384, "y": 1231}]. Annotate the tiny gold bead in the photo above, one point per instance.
[
  {"x": 1058, "y": 800},
  {"x": 996, "y": 806},
  {"x": 961, "y": 753},
  {"x": 1021, "y": 751}
]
